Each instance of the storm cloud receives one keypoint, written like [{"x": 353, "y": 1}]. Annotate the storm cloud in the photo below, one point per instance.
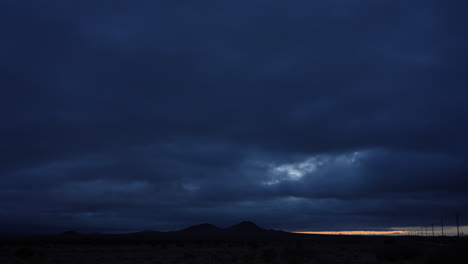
[{"x": 121, "y": 116}]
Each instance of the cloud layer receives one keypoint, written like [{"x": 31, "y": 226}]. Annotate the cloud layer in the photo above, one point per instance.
[{"x": 312, "y": 115}]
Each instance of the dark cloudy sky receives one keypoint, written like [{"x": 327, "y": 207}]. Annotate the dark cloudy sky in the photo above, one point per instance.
[{"x": 301, "y": 115}]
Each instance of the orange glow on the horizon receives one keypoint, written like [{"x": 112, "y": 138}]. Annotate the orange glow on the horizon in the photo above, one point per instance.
[{"x": 370, "y": 233}]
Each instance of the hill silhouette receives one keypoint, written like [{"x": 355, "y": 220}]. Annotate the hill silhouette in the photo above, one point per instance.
[
  {"x": 201, "y": 228},
  {"x": 242, "y": 230},
  {"x": 246, "y": 226}
]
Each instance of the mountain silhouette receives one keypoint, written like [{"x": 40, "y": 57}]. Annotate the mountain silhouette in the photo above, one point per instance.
[
  {"x": 245, "y": 229},
  {"x": 246, "y": 226},
  {"x": 242, "y": 230},
  {"x": 201, "y": 228},
  {"x": 199, "y": 231}
]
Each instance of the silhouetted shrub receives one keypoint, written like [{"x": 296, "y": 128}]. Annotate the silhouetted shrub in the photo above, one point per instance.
[
  {"x": 234, "y": 258},
  {"x": 253, "y": 245},
  {"x": 249, "y": 257},
  {"x": 180, "y": 244},
  {"x": 269, "y": 254},
  {"x": 188, "y": 257},
  {"x": 24, "y": 252},
  {"x": 292, "y": 255},
  {"x": 453, "y": 255},
  {"x": 299, "y": 244},
  {"x": 397, "y": 252},
  {"x": 289, "y": 253}
]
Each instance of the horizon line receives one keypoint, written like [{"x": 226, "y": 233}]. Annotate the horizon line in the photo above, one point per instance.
[{"x": 354, "y": 232}]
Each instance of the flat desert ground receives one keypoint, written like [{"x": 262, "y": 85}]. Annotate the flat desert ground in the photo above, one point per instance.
[{"x": 318, "y": 249}]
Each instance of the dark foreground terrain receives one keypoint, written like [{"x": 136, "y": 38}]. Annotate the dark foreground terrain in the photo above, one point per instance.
[
  {"x": 243, "y": 244},
  {"x": 319, "y": 249}
]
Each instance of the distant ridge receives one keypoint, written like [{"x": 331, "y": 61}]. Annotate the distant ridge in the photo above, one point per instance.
[
  {"x": 201, "y": 228},
  {"x": 246, "y": 226},
  {"x": 245, "y": 229},
  {"x": 242, "y": 230}
]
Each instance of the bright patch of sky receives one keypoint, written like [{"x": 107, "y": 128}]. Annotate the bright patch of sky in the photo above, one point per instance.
[{"x": 297, "y": 170}]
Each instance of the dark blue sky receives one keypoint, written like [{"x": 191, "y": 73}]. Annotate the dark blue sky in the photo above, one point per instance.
[{"x": 304, "y": 115}]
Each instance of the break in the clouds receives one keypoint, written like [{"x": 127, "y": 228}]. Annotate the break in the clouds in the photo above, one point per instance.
[{"x": 305, "y": 115}]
